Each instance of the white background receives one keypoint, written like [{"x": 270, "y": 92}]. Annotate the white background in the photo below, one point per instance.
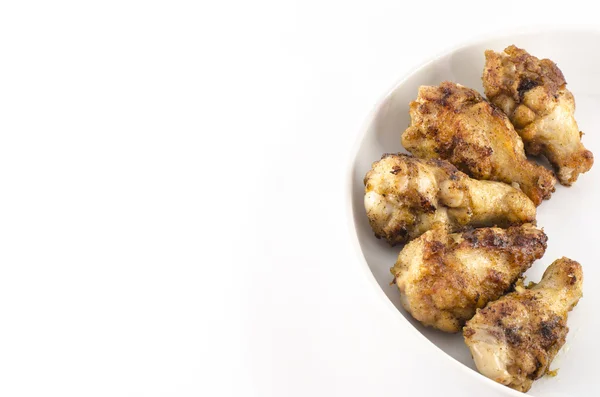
[{"x": 173, "y": 216}]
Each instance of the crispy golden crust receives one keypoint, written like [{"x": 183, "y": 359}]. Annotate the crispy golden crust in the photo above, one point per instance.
[
  {"x": 515, "y": 338},
  {"x": 457, "y": 124},
  {"x": 445, "y": 277},
  {"x": 533, "y": 93},
  {"x": 529, "y": 72},
  {"x": 406, "y": 196}
]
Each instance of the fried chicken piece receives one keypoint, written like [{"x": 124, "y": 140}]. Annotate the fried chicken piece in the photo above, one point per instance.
[
  {"x": 514, "y": 339},
  {"x": 444, "y": 278},
  {"x": 406, "y": 196},
  {"x": 534, "y": 95},
  {"x": 457, "y": 124}
]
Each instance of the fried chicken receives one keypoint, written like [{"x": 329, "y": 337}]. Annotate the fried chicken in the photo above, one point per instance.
[
  {"x": 444, "y": 278},
  {"x": 514, "y": 339},
  {"x": 534, "y": 95},
  {"x": 457, "y": 124},
  {"x": 406, "y": 196}
]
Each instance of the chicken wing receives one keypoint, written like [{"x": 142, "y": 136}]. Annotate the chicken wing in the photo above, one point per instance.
[
  {"x": 444, "y": 278},
  {"x": 514, "y": 340},
  {"x": 457, "y": 124},
  {"x": 406, "y": 196},
  {"x": 534, "y": 95}
]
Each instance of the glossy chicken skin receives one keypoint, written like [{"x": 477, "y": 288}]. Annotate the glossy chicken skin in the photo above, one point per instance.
[
  {"x": 406, "y": 196},
  {"x": 534, "y": 95},
  {"x": 514, "y": 339},
  {"x": 443, "y": 278},
  {"x": 457, "y": 124}
]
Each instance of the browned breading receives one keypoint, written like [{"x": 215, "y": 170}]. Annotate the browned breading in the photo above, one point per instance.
[
  {"x": 457, "y": 124},
  {"x": 514, "y": 339},
  {"x": 534, "y": 95},
  {"x": 444, "y": 278},
  {"x": 406, "y": 196}
]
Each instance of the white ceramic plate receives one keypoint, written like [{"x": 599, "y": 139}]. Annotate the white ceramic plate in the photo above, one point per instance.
[{"x": 569, "y": 217}]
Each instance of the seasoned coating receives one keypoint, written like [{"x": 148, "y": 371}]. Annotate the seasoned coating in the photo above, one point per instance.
[
  {"x": 406, "y": 196},
  {"x": 514, "y": 339},
  {"x": 534, "y": 95},
  {"x": 444, "y": 278},
  {"x": 457, "y": 124}
]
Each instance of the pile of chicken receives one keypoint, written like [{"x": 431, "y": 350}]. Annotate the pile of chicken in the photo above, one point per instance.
[{"x": 465, "y": 205}]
